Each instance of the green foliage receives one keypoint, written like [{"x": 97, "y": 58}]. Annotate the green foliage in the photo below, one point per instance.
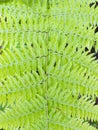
[{"x": 48, "y": 78}]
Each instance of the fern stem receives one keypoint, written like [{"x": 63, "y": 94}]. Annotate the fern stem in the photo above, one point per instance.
[{"x": 47, "y": 52}]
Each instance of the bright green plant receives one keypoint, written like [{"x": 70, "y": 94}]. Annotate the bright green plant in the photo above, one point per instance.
[{"x": 47, "y": 79}]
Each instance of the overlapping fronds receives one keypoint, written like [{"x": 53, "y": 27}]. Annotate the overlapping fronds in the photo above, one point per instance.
[
  {"x": 17, "y": 61},
  {"x": 48, "y": 78},
  {"x": 26, "y": 87},
  {"x": 27, "y": 112}
]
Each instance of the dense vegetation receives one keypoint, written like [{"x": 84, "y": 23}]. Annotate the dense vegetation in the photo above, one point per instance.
[{"x": 48, "y": 65}]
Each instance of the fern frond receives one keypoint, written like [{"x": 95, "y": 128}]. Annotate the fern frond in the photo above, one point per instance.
[
  {"x": 71, "y": 105},
  {"x": 78, "y": 77},
  {"x": 17, "y": 61},
  {"x": 25, "y": 87},
  {"x": 23, "y": 113},
  {"x": 69, "y": 54},
  {"x": 25, "y": 25},
  {"x": 79, "y": 10},
  {"x": 39, "y": 125},
  {"x": 60, "y": 121},
  {"x": 80, "y": 30},
  {"x": 72, "y": 33},
  {"x": 21, "y": 28},
  {"x": 47, "y": 80},
  {"x": 58, "y": 41},
  {"x": 75, "y": 85}
]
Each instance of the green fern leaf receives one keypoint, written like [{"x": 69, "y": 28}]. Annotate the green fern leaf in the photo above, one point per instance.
[{"x": 48, "y": 76}]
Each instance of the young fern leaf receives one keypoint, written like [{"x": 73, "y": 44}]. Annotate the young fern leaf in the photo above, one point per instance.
[
  {"x": 47, "y": 80},
  {"x": 25, "y": 87},
  {"x": 61, "y": 121},
  {"x": 27, "y": 112}
]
